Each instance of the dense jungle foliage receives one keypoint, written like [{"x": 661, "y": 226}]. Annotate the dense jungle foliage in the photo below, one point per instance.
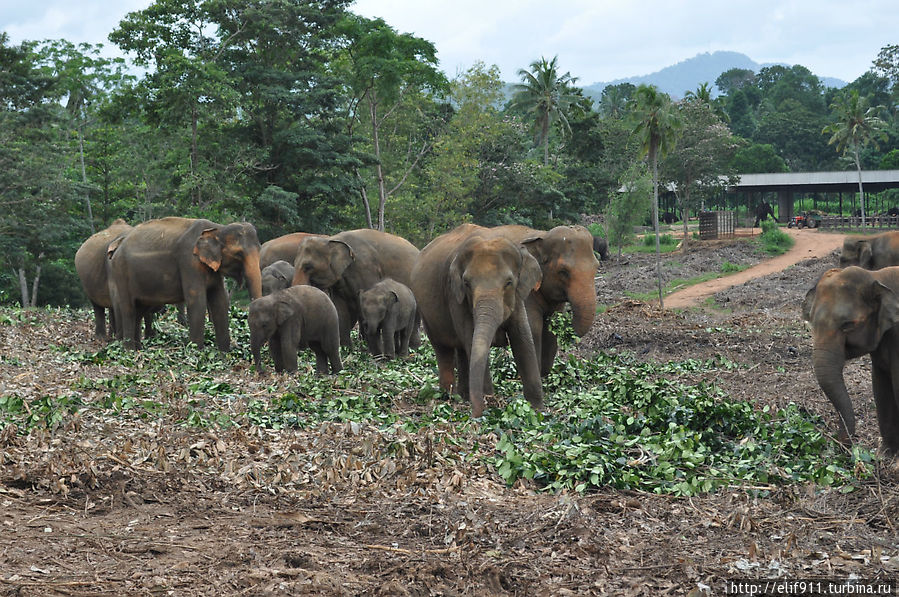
[{"x": 300, "y": 115}]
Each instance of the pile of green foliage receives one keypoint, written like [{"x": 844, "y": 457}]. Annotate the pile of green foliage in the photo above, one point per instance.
[
  {"x": 609, "y": 421},
  {"x": 773, "y": 240}
]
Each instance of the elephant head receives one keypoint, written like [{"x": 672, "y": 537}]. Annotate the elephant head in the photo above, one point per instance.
[
  {"x": 849, "y": 311},
  {"x": 857, "y": 251},
  {"x": 374, "y": 304},
  {"x": 490, "y": 279},
  {"x": 268, "y": 315},
  {"x": 276, "y": 276},
  {"x": 321, "y": 262},
  {"x": 566, "y": 258},
  {"x": 232, "y": 250}
]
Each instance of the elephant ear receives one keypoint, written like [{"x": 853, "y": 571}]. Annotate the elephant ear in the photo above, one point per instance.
[
  {"x": 530, "y": 275},
  {"x": 808, "y": 302},
  {"x": 535, "y": 246},
  {"x": 341, "y": 256},
  {"x": 456, "y": 283},
  {"x": 209, "y": 249},
  {"x": 111, "y": 247},
  {"x": 865, "y": 255},
  {"x": 888, "y": 315},
  {"x": 283, "y": 312}
]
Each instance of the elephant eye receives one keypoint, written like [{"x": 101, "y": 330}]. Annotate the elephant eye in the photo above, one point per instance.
[
  {"x": 509, "y": 283},
  {"x": 848, "y": 326},
  {"x": 307, "y": 267},
  {"x": 564, "y": 273}
]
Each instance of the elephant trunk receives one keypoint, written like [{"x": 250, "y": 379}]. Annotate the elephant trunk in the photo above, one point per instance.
[
  {"x": 582, "y": 296},
  {"x": 487, "y": 317},
  {"x": 253, "y": 275},
  {"x": 828, "y": 365}
]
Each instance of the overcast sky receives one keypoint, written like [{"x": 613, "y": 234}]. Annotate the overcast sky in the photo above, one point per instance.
[{"x": 595, "y": 40}]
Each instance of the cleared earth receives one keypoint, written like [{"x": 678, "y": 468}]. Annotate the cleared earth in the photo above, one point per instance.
[{"x": 150, "y": 506}]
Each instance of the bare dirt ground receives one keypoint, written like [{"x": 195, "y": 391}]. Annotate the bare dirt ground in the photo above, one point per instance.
[{"x": 139, "y": 506}]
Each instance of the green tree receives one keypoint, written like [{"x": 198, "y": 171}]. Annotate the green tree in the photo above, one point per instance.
[
  {"x": 656, "y": 130},
  {"x": 546, "y": 95},
  {"x": 386, "y": 71},
  {"x": 699, "y": 163},
  {"x": 615, "y": 99},
  {"x": 734, "y": 79},
  {"x": 857, "y": 125},
  {"x": 629, "y": 204},
  {"x": 757, "y": 158}
]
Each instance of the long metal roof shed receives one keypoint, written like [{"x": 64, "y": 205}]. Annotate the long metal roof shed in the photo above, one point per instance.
[{"x": 845, "y": 180}]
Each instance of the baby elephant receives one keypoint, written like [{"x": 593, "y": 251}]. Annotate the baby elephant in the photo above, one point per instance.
[
  {"x": 276, "y": 276},
  {"x": 389, "y": 316},
  {"x": 291, "y": 319}
]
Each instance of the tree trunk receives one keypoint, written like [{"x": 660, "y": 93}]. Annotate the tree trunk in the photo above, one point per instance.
[
  {"x": 382, "y": 189},
  {"x": 36, "y": 282},
  {"x": 653, "y": 149},
  {"x": 861, "y": 191},
  {"x": 365, "y": 201},
  {"x": 23, "y": 286},
  {"x": 194, "y": 154}
]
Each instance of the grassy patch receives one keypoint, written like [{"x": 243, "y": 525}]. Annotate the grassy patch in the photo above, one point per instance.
[{"x": 773, "y": 240}]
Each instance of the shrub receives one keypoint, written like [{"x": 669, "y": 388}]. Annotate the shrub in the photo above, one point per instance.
[{"x": 774, "y": 241}]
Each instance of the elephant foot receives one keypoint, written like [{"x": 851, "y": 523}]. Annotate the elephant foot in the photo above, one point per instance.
[{"x": 477, "y": 408}]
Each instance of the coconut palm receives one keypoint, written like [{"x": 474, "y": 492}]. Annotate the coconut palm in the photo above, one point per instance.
[
  {"x": 856, "y": 126},
  {"x": 547, "y": 95},
  {"x": 657, "y": 125}
]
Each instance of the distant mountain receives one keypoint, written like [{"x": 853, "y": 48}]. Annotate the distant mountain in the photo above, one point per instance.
[{"x": 691, "y": 73}]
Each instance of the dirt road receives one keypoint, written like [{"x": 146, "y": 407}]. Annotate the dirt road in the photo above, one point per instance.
[{"x": 809, "y": 243}]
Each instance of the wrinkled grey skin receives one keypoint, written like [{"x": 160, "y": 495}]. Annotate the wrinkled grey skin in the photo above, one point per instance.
[
  {"x": 292, "y": 319},
  {"x": 854, "y": 312},
  {"x": 276, "y": 276},
  {"x": 871, "y": 252},
  {"x": 601, "y": 247},
  {"x": 388, "y": 317}
]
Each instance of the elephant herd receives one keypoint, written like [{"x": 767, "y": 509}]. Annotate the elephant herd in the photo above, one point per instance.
[
  {"x": 471, "y": 288},
  {"x": 853, "y": 310}
]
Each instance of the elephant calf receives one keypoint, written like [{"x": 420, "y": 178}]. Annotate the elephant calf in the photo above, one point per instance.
[
  {"x": 276, "y": 276},
  {"x": 291, "y": 319},
  {"x": 389, "y": 316}
]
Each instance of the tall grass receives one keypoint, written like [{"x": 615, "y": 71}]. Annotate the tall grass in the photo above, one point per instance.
[{"x": 773, "y": 240}]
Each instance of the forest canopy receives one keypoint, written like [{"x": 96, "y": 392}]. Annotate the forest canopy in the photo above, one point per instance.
[{"x": 303, "y": 116}]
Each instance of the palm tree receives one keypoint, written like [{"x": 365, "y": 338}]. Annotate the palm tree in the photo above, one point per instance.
[
  {"x": 657, "y": 125},
  {"x": 856, "y": 126},
  {"x": 547, "y": 95}
]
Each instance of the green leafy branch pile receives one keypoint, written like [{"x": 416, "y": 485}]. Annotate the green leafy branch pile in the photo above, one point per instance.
[{"x": 610, "y": 420}]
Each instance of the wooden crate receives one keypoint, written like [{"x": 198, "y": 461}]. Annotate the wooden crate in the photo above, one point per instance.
[{"x": 716, "y": 224}]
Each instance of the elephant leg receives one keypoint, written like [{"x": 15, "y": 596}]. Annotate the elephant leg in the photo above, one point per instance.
[
  {"x": 405, "y": 337},
  {"x": 274, "y": 347},
  {"x": 149, "y": 331},
  {"x": 415, "y": 332},
  {"x": 463, "y": 364},
  {"x": 126, "y": 322},
  {"x": 99, "y": 321},
  {"x": 217, "y": 304},
  {"x": 445, "y": 367},
  {"x": 549, "y": 347},
  {"x": 196, "y": 319},
  {"x": 388, "y": 340},
  {"x": 886, "y": 399},
  {"x": 321, "y": 359},
  {"x": 522, "y": 343},
  {"x": 345, "y": 321},
  {"x": 331, "y": 348},
  {"x": 289, "y": 347}
]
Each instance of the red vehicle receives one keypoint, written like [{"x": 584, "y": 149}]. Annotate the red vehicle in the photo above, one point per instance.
[{"x": 805, "y": 219}]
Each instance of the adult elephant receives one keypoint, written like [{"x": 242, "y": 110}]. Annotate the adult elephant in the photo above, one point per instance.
[
  {"x": 471, "y": 286},
  {"x": 282, "y": 248},
  {"x": 762, "y": 212},
  {"x": 350, "y": 262},
  {"x": 568, "y": 267},
  {"x": 601, "y": 247},
  {"x": 90, "y": 263},
  {"x": 871, "y": 252},
  {"x": 853, "y": 312},
  {"x": 174, "y": 260}
]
